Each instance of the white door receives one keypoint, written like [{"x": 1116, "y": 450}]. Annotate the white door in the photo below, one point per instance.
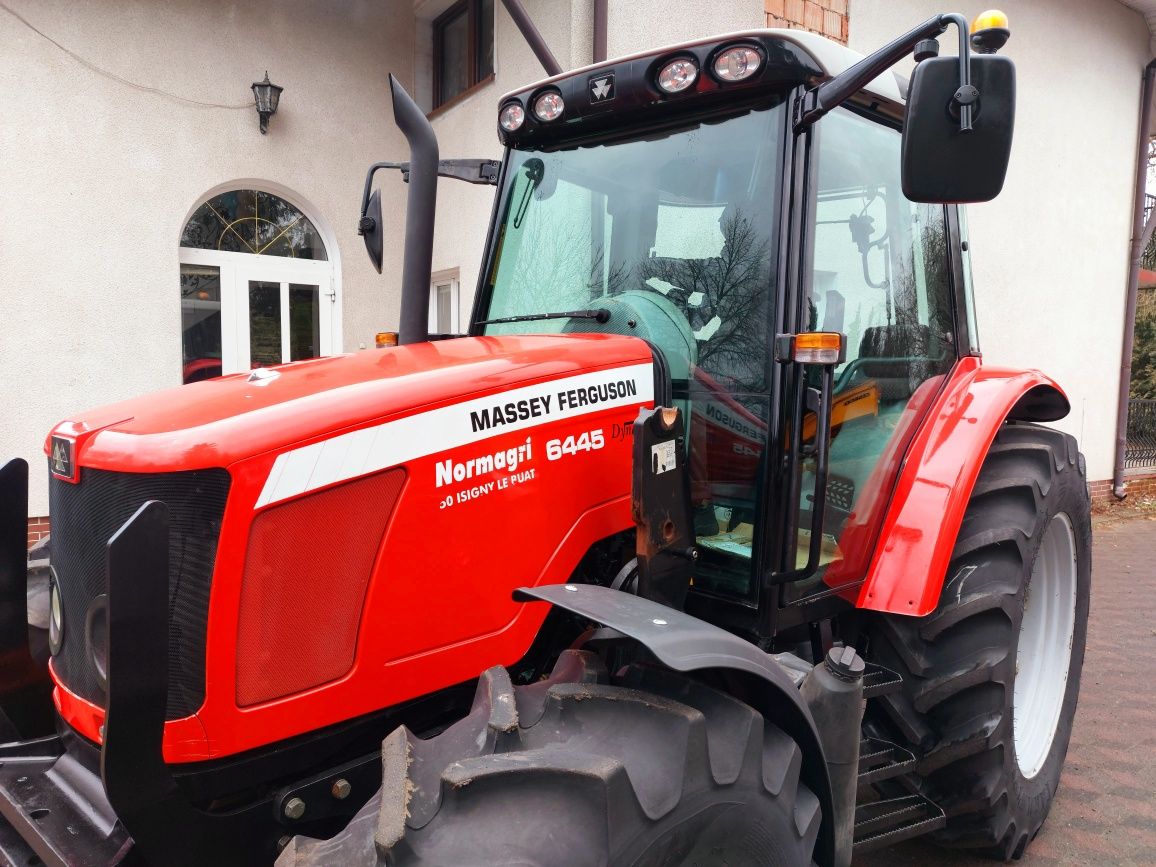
[
  {"x": 284, "y": 312},
  {"x": 242, "y": 311}
]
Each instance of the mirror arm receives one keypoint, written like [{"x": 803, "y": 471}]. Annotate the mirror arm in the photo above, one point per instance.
[
  {"x": 373, "y": 170},
  {"x": 830, "y": 94},
  {"x": 471, "y": 171}
]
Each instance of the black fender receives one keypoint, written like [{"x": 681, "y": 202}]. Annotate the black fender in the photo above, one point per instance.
[{"x": 686, "y": 644}]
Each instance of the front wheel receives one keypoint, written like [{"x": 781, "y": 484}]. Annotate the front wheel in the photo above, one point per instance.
[
  {"x": 654, "y": 770},
  {"x": 991, "y": 677}
]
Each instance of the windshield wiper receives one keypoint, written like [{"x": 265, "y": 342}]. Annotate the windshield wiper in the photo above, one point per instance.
[{"x": 601, "y": 316}]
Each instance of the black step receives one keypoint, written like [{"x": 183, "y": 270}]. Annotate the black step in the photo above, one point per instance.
[
  {"x": 878, "y": 681},
  {"x": 58, "y": 809},
  {"x": 884, "y": 823},
  {"x": 882, "y": 760}
]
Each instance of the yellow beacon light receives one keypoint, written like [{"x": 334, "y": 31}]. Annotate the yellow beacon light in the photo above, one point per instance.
[
  {"x": 989, "y": 31},
  {"x": 987, "y": 20}
]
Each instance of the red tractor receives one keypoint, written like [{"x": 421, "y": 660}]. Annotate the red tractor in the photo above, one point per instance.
[{"x": 759, "y": 562}]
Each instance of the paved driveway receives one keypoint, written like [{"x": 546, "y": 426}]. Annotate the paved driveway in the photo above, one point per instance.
[{"x": 1105, "y": 811}]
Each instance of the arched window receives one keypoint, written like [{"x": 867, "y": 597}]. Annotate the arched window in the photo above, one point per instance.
[
  {"x": 253, "y": 221},
  {"x": 257, "y": 286}
]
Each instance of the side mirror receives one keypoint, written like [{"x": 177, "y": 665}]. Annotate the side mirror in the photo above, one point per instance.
[
  {"x": 370, "y": 229},
  {"x": 942, "y": 164}
]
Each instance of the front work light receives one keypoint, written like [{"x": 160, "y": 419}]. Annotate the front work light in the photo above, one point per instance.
[
  {"x": 512, "y": 117},
  {"x": 738, "y": 63},
  {"x": 678, "y": 75},
  {"x": 549, "y": 106}
]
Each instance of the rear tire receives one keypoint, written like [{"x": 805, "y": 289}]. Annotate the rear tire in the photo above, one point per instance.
[
  {"x": 989, "y": 685},
  {"x": 655, "y": 770}
]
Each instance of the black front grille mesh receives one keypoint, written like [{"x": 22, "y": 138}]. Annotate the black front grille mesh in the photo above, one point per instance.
[{"x": 84, "y": 516}]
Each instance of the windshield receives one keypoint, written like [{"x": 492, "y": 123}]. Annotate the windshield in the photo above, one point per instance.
[{"x": 674, "y": 235}]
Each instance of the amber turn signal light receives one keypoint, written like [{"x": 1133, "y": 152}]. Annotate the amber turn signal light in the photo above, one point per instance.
[{"x": 812, "y": 347}]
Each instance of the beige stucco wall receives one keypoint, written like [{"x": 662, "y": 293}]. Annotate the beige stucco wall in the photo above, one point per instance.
[
  {"x": 1050, "y": 253},
  {"x": 468, "y": 129},
  {"x": 97, "y": 177}
]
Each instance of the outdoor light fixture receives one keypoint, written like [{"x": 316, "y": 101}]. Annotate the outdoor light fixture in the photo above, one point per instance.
[
  {"x": 512, "y": 117},
  {"x": 678, "y": 75},
  {"x": 266, "y": 95},
  {"x": 549, "y": 106},
  {"x": 738, "y": 63}
]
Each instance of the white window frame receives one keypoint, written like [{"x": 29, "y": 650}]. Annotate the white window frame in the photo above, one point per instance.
[
  {"x": 452, "y": 276},
  {"x": 237, "y": 269}
]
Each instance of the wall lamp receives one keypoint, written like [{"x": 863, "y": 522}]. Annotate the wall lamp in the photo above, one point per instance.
[{"x": 266, "y": 95}]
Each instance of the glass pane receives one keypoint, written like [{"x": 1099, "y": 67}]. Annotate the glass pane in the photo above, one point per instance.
[
  {"x": 253, "y": 221},
  {"x": 200, "y": 322},
  {"x": 304, "y": 322},
  {"x": 728, "y": 434},
  {"x": 264, "y": 323},
  {"x": 881, "y": 277},
  {"x": 453, "y": 67},
  {"x": 674, "y": 235},
  {"x": 485, "y": 38},
  {"x": 444, "y": 308}
]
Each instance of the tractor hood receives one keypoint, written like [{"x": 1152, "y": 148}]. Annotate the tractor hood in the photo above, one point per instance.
[{"x": 218, "y": 422}]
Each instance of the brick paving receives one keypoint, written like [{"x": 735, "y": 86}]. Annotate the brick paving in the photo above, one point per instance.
[{"x": 1105, "y": 811}]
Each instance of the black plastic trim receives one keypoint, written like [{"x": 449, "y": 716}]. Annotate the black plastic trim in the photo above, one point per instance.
[{"x": 25, "y": 688}]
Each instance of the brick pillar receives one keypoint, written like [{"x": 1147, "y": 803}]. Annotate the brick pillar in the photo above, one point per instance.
[
  {"x": 825, "y": 17},
  {"x": 37, "y": 530}
]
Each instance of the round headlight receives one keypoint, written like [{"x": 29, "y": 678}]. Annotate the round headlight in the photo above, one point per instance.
[
  {"x": 549, "y": 106},
  {"x": 512, "y": 117},
  {"x": 677, "y": 75},
  {"x": 738, "y": 63},
  {"x": 55, "y": 617}
]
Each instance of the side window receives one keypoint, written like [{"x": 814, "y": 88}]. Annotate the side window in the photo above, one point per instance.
[
  {"x": 463, "y": 49},
  {"x": 444, "y": 302},
  {"x": 881, "y": 276}
]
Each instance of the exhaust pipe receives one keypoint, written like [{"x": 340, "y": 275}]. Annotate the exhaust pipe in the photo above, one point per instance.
[{"x": 419, "y": 215}]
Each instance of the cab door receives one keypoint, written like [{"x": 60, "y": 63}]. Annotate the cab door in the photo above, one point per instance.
[{"x": 878, "y": 269}]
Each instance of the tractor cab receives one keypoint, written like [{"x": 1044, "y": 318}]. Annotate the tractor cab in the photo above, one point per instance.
[{"x": 683, "y": 197}]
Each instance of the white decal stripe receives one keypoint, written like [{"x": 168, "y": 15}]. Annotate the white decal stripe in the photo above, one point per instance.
[{"x": 360, "y": 452}]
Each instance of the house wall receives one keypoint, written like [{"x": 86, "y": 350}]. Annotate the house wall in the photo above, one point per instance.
[
  {"x": 1050, "y": 254},
  {"x": 99, "y": 177}
]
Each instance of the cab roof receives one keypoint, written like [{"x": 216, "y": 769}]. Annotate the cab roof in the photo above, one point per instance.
[
  {"x": 608, "y": 98},
  {"x": 830, "y": 56}
]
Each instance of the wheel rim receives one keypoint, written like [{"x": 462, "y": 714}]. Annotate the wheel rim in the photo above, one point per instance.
[{"x": 1045, "y": 647}]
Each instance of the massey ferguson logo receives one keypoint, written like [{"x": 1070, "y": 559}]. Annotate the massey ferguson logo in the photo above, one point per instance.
[
  {"x": 602, "y": 88},
  {"x": 60, "y": 458}
]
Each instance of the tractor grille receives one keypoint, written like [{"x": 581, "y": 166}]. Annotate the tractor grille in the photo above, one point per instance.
[{"x": 85, "y": 516}]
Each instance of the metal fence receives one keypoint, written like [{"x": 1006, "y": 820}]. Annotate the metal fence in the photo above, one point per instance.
[{"x": 1141, "y": 448}]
